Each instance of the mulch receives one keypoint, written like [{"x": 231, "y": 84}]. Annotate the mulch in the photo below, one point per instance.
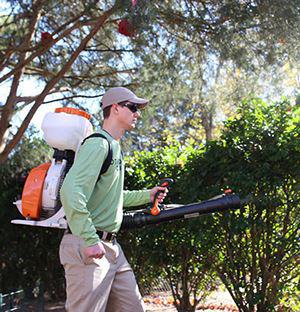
[{"x": 154, "y": 303}]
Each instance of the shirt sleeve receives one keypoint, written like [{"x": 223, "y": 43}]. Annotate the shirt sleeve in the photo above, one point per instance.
[
  {"x": 78, "y": 186},
  {"x": 136, "y": 198}
]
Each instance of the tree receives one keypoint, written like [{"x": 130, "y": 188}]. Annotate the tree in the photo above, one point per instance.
[
  {"x": 256, "y": 254},
  {"x": 205, "y": 57},
  {"x": 254, "y": 250},
  {"x": 66, "y": 54},
  {"x": 247, "y": 32}
]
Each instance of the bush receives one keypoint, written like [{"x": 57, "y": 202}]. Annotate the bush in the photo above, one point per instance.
[
  {"x": 175, "y": 250},
  {"x": 257, "y": 247},
  {"x": 255, "y": 250}
]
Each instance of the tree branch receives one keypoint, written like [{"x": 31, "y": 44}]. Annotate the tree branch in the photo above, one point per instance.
[
  {"x": 42, "y": 49},
  {"x": 114, "y": 72},
  {"x": 7, "y": 110},
  {"x": 92, "y": 49},
  {"x": 72, "y": 97},
  {"x": 40, "y": 99}
]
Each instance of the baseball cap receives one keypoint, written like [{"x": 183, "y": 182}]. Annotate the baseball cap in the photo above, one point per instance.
[{"x": 120, "y": 94}]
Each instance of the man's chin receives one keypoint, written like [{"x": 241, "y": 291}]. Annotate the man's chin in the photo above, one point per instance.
[{"x": 130, "y": 127}]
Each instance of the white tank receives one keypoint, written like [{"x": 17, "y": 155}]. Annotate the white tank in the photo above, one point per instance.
[{"x": 66, "y": 128}]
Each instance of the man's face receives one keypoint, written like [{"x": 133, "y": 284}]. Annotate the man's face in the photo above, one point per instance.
[{"x": 129, "y": 115}]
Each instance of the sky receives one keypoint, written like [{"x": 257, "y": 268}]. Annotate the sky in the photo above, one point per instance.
[{"x": 29, "y": 87}]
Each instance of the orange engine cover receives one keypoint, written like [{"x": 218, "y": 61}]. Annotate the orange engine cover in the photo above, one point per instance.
[{"x": 33, "y": 191}]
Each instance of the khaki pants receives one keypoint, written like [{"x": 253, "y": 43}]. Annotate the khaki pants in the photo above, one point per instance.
[{"x": 98, "y": 285}]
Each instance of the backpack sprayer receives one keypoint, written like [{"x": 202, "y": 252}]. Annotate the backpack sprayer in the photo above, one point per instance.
[{"x": 65, "y": 130}]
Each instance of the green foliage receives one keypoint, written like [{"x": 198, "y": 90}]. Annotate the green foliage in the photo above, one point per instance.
[
  {"x": 291, "y": 297},
  {"x": 193, "y": 85},
  {"x": 254, "y": 250},
  {"x": 257, "y": 247},
  {"x": 174, "y": 251},
  {"x": 184, "y": 40}
]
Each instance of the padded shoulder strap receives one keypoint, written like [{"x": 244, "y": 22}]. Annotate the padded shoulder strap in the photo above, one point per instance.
[{"x": 109, "y": 156}]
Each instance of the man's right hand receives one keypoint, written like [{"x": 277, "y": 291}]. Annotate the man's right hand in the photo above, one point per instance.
[{"x": 95, "y": 251}]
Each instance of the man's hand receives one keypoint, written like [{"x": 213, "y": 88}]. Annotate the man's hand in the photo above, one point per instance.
[
  {"x": 161, "y": 196},
  {"x": 94, "y": 251}
]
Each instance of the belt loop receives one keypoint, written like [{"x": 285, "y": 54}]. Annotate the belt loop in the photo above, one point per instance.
[{"x": 104, "y": 235}]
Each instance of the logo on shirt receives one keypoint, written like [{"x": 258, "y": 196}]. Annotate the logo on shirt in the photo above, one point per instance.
[{"x": 117, "y": 162}]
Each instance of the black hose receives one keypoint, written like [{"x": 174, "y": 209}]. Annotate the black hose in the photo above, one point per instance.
[{"x": 137, "y": 219}]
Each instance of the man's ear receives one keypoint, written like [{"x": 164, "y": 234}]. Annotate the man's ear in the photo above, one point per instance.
[{"x": 115, "y": 108}]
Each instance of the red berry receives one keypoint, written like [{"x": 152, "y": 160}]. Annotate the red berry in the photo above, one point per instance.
[
  {"x": 126, "y": 28},
  {"x": 46, "y": 37}
]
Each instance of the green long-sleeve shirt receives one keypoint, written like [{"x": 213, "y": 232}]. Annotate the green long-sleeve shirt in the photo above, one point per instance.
[{"x": 90, "y": 205}]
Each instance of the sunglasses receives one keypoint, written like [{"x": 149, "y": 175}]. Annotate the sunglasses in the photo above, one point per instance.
[{"x": 132, "y": 107}]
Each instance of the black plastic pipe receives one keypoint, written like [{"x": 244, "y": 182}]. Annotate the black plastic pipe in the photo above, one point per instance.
[{"x": 137, "y": 219}]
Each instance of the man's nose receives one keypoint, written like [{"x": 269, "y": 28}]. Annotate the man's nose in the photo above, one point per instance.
[{"x": 137, "y": 114}]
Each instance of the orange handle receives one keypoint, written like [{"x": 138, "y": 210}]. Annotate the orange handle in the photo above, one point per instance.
[{"x": 155, "y": 210}]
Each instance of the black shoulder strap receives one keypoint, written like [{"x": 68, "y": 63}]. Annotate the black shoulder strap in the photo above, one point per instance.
[{"x": 109, "y": 156}]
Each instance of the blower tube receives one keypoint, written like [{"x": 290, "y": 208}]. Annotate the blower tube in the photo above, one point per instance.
[{"x": 137, "y": 219}]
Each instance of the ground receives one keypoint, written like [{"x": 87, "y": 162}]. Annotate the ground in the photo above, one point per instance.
[
  {"x": 159, "y": 302},
  {"x": 217, "y": 301}
]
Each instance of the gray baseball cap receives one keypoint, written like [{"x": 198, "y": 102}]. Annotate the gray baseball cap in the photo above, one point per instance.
[{"x": 120, "y": 94}]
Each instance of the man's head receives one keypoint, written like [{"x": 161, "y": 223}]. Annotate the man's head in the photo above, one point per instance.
[{"x": 118, "y": 95}]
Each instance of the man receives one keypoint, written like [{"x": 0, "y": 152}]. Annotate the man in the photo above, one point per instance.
[{"x": 98, "y": 276}]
